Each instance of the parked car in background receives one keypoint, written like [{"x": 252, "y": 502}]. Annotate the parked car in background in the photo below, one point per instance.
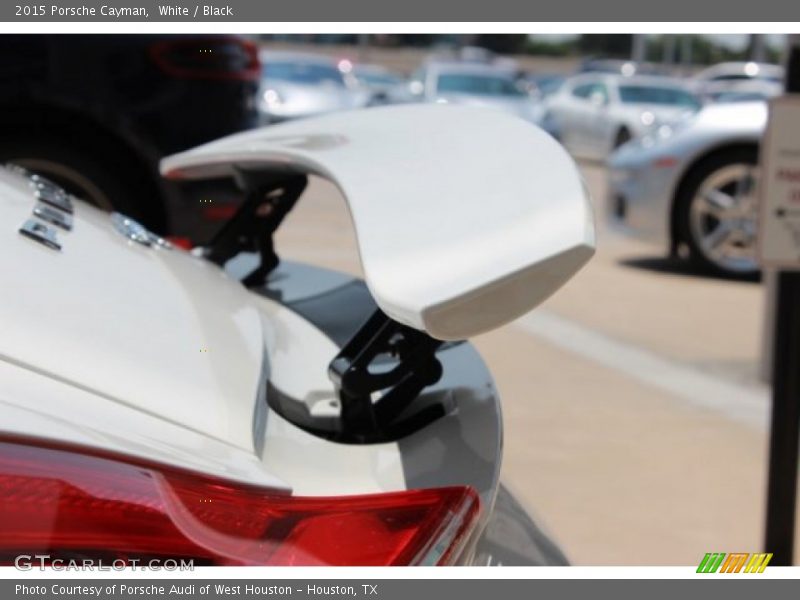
[
  {"x": 479, "y": 85},
  {"x": 381, "y": 83},
  {"x": 297, "y": 84},
  {"x": 475, "y": 55},
  {"x": 592, "y": 115},
  {"x": 739, "y": 77},
  {"x": 746, "y": 92},
  {"x": 691, "y": 188},
  {"x": 613, "y": 66},
  {"x": 95, "y": 114},
  {"x": 542, "y": 85}
]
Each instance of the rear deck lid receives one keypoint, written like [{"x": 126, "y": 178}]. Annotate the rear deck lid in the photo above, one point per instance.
[{"x": 146, "y": 326}]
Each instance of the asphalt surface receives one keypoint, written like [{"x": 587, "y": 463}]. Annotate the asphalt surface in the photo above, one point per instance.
[{"x": 635, "y": 421}]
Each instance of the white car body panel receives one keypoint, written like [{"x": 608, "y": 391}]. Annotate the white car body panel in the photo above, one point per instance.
[
  {"x": 315, "y": 467},
  {"x": 114, "y": 343},
  {"x": 475, "y": 232},
  {"x": 298, "y": 356},
  {"x": 124, "y": 369},
  {"x": 36, "y": 404}
]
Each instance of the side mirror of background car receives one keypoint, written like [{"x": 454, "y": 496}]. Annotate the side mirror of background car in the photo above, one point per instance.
[{"x": 465, "y": 218}]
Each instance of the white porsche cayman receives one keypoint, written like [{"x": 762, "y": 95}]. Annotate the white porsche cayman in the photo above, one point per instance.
[{"x": 223, "y": 406}]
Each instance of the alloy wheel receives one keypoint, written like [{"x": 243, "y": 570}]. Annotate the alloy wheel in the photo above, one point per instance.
[{"x": 723, "y": 218}]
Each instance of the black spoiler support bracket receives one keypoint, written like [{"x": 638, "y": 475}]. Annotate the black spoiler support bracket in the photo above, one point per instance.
[
  {"x": 387, "y": 358},
  {"x": 269, "y": 198},
  {"x": 384, "y": 366}
]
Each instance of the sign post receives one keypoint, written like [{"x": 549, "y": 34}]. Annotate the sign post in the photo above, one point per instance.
[{"x": 779, "y": 246}]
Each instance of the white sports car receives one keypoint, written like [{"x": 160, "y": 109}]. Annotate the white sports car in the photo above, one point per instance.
[{"x": 223, "y": 406}]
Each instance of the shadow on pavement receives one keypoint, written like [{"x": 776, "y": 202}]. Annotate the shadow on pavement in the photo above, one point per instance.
[{"x": 674, "y": 266}]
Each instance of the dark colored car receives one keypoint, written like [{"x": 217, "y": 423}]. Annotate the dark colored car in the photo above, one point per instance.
[{"x": 96, "y": 113}]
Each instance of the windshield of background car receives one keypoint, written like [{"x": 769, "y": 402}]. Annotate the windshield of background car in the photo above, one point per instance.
[
  {"x": 586, "y": 90},
  {"x": 547, "y": 86},
  {"x": 379, "y": 78},
  {"x": 483, "y": 85},
  {"x": 308, "y": 73},
  {"x": 640, "y": 94}
]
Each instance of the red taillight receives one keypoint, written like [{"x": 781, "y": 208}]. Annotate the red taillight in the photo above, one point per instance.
[
  {"x": 67, "y": 502},
  {"x": 221, "y": 57},
  {"x": 180, "y": 242}
]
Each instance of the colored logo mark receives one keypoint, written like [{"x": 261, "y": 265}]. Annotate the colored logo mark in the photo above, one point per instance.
[{"x": 735, "y": 562}]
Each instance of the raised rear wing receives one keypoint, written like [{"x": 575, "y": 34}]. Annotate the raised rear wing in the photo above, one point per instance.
[{"x": 465, "y": 218}]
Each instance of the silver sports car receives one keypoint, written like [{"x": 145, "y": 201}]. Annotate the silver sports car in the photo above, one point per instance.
[
  {"x": 295, "y": 85},
  {"x": 691, "y": 187},
  {"x": 595, "y": 113}
]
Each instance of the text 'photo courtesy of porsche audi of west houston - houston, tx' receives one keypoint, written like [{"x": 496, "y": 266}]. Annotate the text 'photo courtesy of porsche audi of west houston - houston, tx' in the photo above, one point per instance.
[{"x": 224, "y": 406}]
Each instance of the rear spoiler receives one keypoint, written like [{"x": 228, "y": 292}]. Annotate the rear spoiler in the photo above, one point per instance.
[{"x": 465, "y": 218}]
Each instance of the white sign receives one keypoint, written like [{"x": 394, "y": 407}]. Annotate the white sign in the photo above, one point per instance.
[{"x": 779, "y": 225}]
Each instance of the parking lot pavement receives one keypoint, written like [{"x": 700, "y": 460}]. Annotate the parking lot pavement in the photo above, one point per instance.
[
  {"x": 634, "y": 294},
  {"x": 618, "y": 472},
  {"x": 635, "y": 425}
]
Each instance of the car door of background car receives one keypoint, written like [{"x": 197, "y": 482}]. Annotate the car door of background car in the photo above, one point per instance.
[
  {"x": 597, "y": 119},
  {"x": 576, "y": 112}
]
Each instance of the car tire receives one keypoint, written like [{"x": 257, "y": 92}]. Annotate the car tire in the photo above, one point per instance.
[
  {"x": 103, "y": 180},
  {"x": 716, "y": 213}
]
